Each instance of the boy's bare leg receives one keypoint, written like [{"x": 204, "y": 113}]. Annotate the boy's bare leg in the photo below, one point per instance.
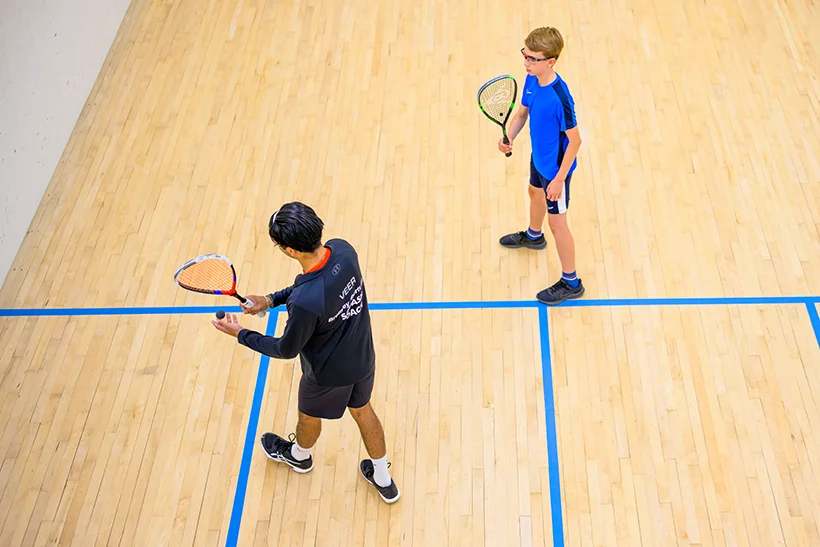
[
  {"x": 538, "y": 208},
  {"x": 569, "y": 286},
  {"x": 564, "y": 242}
]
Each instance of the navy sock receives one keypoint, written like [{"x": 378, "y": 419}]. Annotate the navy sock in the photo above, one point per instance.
[
  {"x": 533, "y": 235},
  {"x": 571, "y": 279}
]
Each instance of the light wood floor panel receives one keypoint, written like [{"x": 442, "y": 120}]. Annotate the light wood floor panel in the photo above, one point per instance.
[
  {"x": 688, "y": 426},
  {"x": 126, "y": 429},
  {"x": 140, "y": 443},
  {"x": 464, "y": 419}
]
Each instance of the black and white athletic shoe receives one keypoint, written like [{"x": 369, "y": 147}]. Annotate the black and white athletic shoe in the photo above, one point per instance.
[
  {"x": 390, "y": 494},
  {"x": 278, "y": 449}
]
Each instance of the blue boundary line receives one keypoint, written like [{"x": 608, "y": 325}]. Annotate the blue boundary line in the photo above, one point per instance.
[
  {"x": 250, "y": 437},
  {"x": 556, "y": 506},
  {"x": 815, "y": 319},
  {"x": 160, "y": 310}
]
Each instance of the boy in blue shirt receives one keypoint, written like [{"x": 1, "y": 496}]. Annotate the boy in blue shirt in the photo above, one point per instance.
[{"x": 546, "y": 101}]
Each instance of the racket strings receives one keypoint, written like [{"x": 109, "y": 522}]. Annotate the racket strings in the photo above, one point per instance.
[
  {"x": 208, "y": 275},
  {"x": 497, "y": 97}
]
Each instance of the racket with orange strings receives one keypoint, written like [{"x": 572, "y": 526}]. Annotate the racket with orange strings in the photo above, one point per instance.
[{"x": 211, "y": 274}]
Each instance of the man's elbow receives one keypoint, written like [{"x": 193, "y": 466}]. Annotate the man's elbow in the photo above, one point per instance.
[{"x": 289, "y": 353}]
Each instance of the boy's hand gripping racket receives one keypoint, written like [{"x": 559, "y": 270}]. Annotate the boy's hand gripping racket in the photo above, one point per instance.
[
  {"x": 496, "y": 99},
  {"x": 211, "y": 274}
]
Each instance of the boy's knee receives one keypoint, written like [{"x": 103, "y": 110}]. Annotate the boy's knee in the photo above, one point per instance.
[{"x": 558, "y": 223}]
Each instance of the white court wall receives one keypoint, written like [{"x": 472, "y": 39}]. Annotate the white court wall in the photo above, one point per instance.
[{"x": 51, "y": 52}]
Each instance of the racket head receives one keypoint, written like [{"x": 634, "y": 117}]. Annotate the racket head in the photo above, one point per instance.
[
  {"x": 496, "y": 98},
  {"x": 208, "y": 274},
  {"x": 211, "y": 274}
]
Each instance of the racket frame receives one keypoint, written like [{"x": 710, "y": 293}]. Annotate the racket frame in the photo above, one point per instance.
[
  {"x": 509, "y": 111},
  {"x": 246, "y": 303}
]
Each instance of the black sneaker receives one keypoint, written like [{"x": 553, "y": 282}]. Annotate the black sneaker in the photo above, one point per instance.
[
  {"x": 278, "y": 449},
  {"x": 559, "y": 292},
  {"x": 391, "y": 493},
  {"x": 521, "y": 239}
]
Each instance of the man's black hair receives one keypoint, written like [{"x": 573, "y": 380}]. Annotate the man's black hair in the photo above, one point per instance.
[{"x": 297, "y": 226}]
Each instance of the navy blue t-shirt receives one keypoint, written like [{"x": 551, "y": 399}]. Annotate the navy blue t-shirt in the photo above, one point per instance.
[{"x": 552, "y": 113}]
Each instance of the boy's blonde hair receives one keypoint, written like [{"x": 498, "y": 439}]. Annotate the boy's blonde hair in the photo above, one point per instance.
[{"x": 545, "y": 40}]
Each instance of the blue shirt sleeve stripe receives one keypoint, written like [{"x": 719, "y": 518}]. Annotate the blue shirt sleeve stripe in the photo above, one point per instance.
[{"x": 567, "y": 104}]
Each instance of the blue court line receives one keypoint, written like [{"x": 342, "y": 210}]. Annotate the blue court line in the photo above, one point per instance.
[
  {"x": 815, "y": 319},
  {"x": 552, "y": 441},
  {"x": 250, "y": 438},
  {"x": 160, "y": 310}
]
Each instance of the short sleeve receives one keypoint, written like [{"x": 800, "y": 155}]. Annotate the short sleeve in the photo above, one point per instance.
[{"x": 526, "y": 93}]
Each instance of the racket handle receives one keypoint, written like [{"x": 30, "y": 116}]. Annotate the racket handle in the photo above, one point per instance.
[
  {"x": 248, "y": 304},
  {"x": 507, "y": 141}
]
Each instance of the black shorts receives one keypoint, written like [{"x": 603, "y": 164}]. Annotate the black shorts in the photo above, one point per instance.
[
  {"x": 330, "y": 403},
  {"x": 539, "y": 181}
]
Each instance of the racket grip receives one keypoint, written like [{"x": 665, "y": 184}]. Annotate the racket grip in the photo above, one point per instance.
[
  {"x": 248, "y": 304},
  {"x": 507, "y": 141}
]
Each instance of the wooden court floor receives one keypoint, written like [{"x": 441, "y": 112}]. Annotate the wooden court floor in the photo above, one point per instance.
[{"x": 677, "y": 404}]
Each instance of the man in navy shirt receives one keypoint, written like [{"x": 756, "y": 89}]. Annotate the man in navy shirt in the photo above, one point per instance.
[
  {"x": 547, "y": 102},
  {"x": 329, "y": 328}
]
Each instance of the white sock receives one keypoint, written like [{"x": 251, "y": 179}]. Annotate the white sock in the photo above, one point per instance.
[
  {"x": 299, "y": 453},
  {"x": 380, "y": 474}
]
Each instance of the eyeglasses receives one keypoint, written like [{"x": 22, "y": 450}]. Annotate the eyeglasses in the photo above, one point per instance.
[{"x": 531, "y": 59}]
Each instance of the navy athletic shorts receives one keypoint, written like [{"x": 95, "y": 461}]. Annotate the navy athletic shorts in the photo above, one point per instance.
[
  {"x": 539, "y": 181},
  {"x": 330, "y": 403}
]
